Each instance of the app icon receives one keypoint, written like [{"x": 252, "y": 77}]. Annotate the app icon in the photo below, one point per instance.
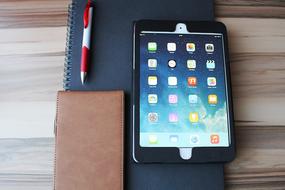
[
  {"x": 209, "y": 48},
  {"x": 152, "y": 63},
  {"x": 172, "y": 117},
  {"x": 173, "y": 138},
  {"x": 193, "y": 98},
  {"x": 213, "y": 99},
  {"x": 152, "y": 139},
  {"x": 194, "y": 139},
  {"x": 171, "y": 46},
  {"x": 193, "y": 117},
  {"x": 152, "y": 46},
  {"x": 152, "y": 98},
  {"x": 152, "y": 117},
  {"x": 192, "y": 81},
  {"x": 172, "y": 98},
  {"x": 191, "y": 64},
  {"x": 152, "y": 80},
  {"x": 172, "y": 81},
  {"x": 171, "y": 63},
  {"x": 190, "y": 47},
  {"x": 210, "y": 64},
  {"x": 215, "y": 139},
  {"x": 211, "y": 81}
]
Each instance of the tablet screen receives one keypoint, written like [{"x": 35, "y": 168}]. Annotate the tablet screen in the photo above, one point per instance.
[{"x": 183, "y": 95}]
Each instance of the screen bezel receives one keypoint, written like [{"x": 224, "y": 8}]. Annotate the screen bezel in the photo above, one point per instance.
[{"x": 171, "y": 154}]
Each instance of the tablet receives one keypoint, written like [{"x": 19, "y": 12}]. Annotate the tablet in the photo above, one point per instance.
[{"x": 182, "y": 105}]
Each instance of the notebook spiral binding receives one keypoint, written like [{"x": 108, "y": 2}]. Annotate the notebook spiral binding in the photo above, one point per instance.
[{"x": 69, "y": 45}]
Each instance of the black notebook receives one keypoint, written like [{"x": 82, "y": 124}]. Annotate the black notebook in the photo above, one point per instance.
[{"x": 111, "y": 69}]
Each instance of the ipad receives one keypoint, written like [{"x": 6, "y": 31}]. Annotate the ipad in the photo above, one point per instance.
[{"x": 182, "y": 101}]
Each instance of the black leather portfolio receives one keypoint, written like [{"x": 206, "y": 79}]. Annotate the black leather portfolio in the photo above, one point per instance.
[{"x": 111, "y": 69}]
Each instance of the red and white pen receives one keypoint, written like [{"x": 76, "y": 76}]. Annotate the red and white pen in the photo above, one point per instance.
[{"x": 87, "y": 19}]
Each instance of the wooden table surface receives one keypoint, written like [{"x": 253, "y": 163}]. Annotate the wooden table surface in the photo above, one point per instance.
[{"x": 32, "y": 45}]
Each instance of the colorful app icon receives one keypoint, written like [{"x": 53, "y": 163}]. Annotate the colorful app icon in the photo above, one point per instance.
[
  {"x": 193, "y": 98},
  {"x": 173, "y": 138},
  {"x": 152, "y": 117},
  {"x": 152, "y": 63},
  {"x": 152, "y": 46},
  {"x": 152, "y": 98},
  {"x": 192, "y": 81},
  {"x": 171, "y": 46},
  {"x": 210, "y": 64},
  {"x": 172, "y": 63},
  {"x": 152, "y": 139},
  {"x": 152, "y": 80},
  {"x": 191, "y": 64},
  {"x": 172, "y": 81},
  {"x": 211, "y": 81},
  {"x": 215, "y": 139},
  {"x": 212, "y": 99},
  {"x": 190, "y": 47},
  {"x": 172, "y": 98},
  {"x": 209, "y": 48},
  {"x": 194, "y": 139},
  {"x": 172, "y": 117},
  {"x": 193, "y": 117}
]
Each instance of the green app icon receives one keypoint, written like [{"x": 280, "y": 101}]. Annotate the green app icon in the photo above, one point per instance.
[{"x": 152, "y": 46}]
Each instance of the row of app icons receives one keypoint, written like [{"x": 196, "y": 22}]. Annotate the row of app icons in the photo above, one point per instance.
[
  {"x": 173, "y": 117},
  {"x": 173, "y": 99},
  {"x": 192, "y": 81},
  {"x": 194, "y": 139},
  {"x": 190, "y": 63},
  {"x": 171, "y": 47}
]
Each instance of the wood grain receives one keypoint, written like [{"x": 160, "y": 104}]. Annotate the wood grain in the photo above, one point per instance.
[
  {"x": 250, "y": 8},
  {"x": 26, "y": 164},
  {"x": 33, "y": 13},
  {"x": 32, "y": 42},
  {"x": 259, "y": 163}
]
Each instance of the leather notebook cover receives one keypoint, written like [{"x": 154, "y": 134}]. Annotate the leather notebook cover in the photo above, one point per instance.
[
  {"x": 89, "y": 141},
  {"x": 111, "y": 68}
]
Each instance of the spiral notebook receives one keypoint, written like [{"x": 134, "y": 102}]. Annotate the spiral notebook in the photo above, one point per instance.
[{"x": 111, "y": 69}]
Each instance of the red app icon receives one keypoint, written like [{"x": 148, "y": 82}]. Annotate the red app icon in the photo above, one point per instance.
[
  {"x": 215, "y": 139},
  {"x": 192, "y": 81}
]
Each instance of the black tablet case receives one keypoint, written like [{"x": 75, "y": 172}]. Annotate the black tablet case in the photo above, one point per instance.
[{"x": 111, "y": 69}]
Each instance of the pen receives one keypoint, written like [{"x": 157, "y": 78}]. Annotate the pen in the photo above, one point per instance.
[{"x": 87, "y": 20}]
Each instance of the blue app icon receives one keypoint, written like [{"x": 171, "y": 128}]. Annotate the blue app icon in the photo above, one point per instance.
[
  {"x": 210, "y": 64},
  {"x": 193, "y": 98}
]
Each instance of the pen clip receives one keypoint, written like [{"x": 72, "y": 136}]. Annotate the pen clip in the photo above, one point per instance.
[{"x": 86, "y": 15}]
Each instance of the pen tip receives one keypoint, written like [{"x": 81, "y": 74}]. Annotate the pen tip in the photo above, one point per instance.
[{"x": 83, "y": 77}]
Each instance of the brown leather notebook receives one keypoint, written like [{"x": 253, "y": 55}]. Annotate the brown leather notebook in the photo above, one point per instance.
[{"x": 89, "y": 141}]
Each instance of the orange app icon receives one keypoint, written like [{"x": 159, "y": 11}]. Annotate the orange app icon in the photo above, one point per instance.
[
  {"x": 192, "y": 81},
  {"x": 215, "y": 139},
  {"x": 190, "y": 47},
  {"x": 213, "y": 99}
]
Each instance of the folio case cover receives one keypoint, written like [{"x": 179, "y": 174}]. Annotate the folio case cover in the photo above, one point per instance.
[
  {"x": 89, "y": 141},
  {"x": 111, "y": 68}
]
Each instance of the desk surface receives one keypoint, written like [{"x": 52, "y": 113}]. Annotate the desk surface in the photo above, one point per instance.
[{"x": 32, "y": 44}]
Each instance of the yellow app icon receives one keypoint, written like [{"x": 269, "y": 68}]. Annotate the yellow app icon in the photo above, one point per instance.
[
  {"x": 152, "y": 139},
  {"x": 152, "y": 80},
  {"x": 152, "y": 98},
  {"x": 212, "y": 99},
  {"x": 193, "y": 117}
]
